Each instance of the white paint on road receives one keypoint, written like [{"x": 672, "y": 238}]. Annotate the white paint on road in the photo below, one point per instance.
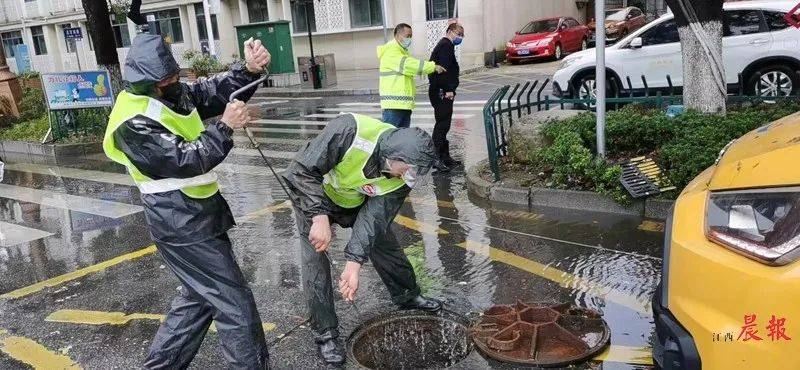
[
  {"x": 11, "y": 234},
  {"x": 69, "y": 202}
]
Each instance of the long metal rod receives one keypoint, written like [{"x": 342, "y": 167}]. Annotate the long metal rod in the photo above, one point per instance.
[{"x": 600, "y": 75}]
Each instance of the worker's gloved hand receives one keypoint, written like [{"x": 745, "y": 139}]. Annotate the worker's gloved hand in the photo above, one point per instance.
[
  {"x": 320, "y": 234},
  {"x": 440, "y": 69},
  {"x": 256, "y": 56},
  {"x": 235, "y": 115},
  {"x": 348, "y": 283}
]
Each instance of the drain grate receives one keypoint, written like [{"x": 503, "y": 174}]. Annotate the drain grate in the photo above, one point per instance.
[
  {"x": 541, "y": 334},
  {"x": 411, "y": 340}
]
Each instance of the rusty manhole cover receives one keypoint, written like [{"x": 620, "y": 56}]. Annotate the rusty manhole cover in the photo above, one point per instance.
[{"x": 541, "y": 334}]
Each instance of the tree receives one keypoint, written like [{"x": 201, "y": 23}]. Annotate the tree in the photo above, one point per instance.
[
  {"x": 700, "y": 29},
  {"x": 98, "y": 24}
]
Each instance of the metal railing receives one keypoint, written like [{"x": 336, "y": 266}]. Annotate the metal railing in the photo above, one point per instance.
[{"x": 509, "y": 101}]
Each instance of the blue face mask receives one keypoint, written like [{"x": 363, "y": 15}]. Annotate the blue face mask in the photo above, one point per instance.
[
  {"x": 406, "y": 42},
  {"x": 458, "y": 40}
]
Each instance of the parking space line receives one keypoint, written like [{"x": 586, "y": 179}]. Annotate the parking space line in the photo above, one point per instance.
[
  {"x": 628, "y": 355},
  {"x": 11, "y": 234},
  {"x": 61, "y": 279},
  {"x": 563, "y": 278},
  {"x": 69, "y": 202},
  {"x": 34, "y": 354},
  {"x": 652, "y": 226},
  {"x": 422, "y": 227},
  {"x": 116, "y": 318}
]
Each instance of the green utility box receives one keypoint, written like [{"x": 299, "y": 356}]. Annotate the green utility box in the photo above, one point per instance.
[{"x": 276, "y": 36}]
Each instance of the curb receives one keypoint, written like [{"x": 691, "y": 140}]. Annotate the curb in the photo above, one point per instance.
[
  {"x": 11, "y": 148},
  {"x": 560, "y": 198}
]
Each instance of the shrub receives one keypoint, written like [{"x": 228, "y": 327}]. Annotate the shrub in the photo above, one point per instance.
[
  {"x": 32, "y": 105},
  {"x": 33, "y": 130},
  {"x": 201, "y": 64}
]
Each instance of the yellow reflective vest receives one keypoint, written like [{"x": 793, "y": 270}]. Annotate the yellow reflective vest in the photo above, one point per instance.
[{"x": 397, "y": 71}]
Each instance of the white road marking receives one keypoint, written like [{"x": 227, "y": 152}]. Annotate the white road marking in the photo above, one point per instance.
[
  {"x": 70, "y": 202},
  {"x": 11, "y": 234}
]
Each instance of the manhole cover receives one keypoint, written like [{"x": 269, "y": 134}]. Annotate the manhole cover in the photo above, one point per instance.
[
  {"x": 541, "y": 334},
  {"x": 411, "y": 340}
]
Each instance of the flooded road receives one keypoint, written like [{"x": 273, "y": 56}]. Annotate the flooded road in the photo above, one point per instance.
[{"x": 81, "y": 281}]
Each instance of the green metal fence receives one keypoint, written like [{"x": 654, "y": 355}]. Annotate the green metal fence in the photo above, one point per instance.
[{"x": 78, "y": 122}]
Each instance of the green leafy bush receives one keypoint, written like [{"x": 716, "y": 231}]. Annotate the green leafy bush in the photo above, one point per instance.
[
  {"x": 32, "y": 130},
  {"x": 202, "y": 65},
  {"x": 33, "y": 104}
]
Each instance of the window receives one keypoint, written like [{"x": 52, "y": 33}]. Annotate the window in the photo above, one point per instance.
[
  {"x": 617, "y": 15},
  {"x": 440, "y": 9},
  {"x": 257, "y": 11},
  {"x": 776, "y": 21},
  {"x": 167, "y": 24},
  {"x": 70, "y": 43},
  {"x": 39, "y": 46},
  {"x": 299, "y": 10},
  {"x": 201, "y": 23},
  {"x": 742, "y": 22},
  {"x": 571, "y": 23},
  {"x": 634, "y": 13},
  {"x": 9, "y": 40},
  {"x": 120, "y": 27},
  {"x": 549, "y": 25},
  {"x": 664, "y": 33},
  {"x": 365, "y": 13}
]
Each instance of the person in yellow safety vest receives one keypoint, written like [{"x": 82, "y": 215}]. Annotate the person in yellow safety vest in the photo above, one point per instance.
[
  {"x": 397, "y": 71},
  {"x": 156, "y": 131},
  {"x": 357, "y": 173}
]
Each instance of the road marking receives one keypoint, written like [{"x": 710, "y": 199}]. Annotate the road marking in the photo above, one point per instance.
[
  {"x": 628, "y": 355},
  {"x": 419, "y": 226},
  {"x": 288, "y": 98},
  {"x": 413, "y": 116},
  {"x": 117, "y": 318},
  {"x": 269, "y": 102},
  {"x": 299, "y": 130},
  {"x": 481, "y": 82},
  {"x": 245, "y": 169},
  {"x": 288, "y": 122},
  {"x": 34, "y": 354},
  {"x": 378, "y": 109},
  {"x": 421, "y": 201},
  {"x": 11, "y": 234},
  {"x": 69, "y": 202},
  {"x": 457, "y": 102},
  {"x": 73, "y": 173},
  {"x": 652, "y": 226},
  {"x": 262, "y": 212},
  {"x": 240, "y": 138},
  {"x": 77, "y": 274},
  {"x": 562, "y": 278},
  {"x": 269, "y": 153}
]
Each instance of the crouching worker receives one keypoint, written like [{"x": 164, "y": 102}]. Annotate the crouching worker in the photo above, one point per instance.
[
  {"x": 156, "y": 131},
  {"x": 357, "y": 174}
]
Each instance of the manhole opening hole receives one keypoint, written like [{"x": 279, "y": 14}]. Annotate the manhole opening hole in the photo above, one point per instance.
[{"x": 411, "y": 340}]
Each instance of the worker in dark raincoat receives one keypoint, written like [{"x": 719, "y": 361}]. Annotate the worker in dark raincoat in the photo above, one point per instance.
[
  {"x": 356, "y": 173},
  {"x": 156, "y": 130}
]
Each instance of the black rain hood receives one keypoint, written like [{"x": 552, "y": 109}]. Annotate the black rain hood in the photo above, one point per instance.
[
  {"x": 409, "y": 145},
  {"x": 149, "y": 60}
]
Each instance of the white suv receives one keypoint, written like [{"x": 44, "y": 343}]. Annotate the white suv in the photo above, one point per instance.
[{"x": 757, "y": 41}]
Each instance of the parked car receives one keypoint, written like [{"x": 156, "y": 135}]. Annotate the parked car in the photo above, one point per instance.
[
  {"x": 758, "y": 44},
  {"x": 730, "y": 268},
  {"x": 621, "y": 22},
  {"x": 547, "y": 38}
]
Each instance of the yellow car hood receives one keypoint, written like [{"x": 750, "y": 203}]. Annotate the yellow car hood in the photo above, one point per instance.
[{"x": 765, "y": 157}]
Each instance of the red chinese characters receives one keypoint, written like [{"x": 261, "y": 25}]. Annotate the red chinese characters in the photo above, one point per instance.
[
  {"x": 749, "y": 330},
  {"x": 777, "y": 329}
]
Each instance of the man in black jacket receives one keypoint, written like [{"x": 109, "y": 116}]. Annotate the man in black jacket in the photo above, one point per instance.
[{"x": 442, "y": 92}]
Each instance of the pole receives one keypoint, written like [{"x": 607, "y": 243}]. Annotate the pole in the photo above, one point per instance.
[
  {"x": 600, "y": 75},
  {"x": 212, "y": 49},
  {"x": 384, "y": 12},
  {"x": 315, "y": 80}
]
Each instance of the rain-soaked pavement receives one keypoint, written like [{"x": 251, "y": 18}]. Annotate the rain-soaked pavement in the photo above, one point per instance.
[{"x": 82, "y": 283}]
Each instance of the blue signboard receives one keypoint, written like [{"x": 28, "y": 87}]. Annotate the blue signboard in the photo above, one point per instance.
[
  {"x": 73, "y": 33},
  {"x": 73, "y": 90},
  {"x": 23, "y": 58}
]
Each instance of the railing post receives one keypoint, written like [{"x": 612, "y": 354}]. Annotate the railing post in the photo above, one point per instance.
[
  {"x": 529, "y": 95},
  {"x": 491, "y": 136},
  {"x": 646, "y": 88},
  {"x": 539, "y": 95},
  {"x": 508, "y": 105},
  {"x": 630, "y": 86},
  {"x": 519, "y": 99}
]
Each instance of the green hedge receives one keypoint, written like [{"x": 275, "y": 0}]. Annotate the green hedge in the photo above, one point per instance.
[{"x": 684, "y": 145}]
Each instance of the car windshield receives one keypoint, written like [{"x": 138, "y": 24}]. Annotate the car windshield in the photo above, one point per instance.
[
  {"x": 549, "y": 25},
  {"x": 616, "y": 15}
]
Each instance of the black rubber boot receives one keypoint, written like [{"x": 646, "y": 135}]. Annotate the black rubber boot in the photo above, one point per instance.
[
  {"x": 421, "y": 303},
  {"x": 445, "y": 157},
  {"x": 440, "y": 166}
]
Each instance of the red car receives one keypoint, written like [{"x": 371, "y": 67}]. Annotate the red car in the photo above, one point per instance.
[{"x": 547, "y": 38}]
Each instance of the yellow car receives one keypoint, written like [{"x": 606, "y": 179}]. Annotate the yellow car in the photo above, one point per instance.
[{"x": 728, "y": 297}]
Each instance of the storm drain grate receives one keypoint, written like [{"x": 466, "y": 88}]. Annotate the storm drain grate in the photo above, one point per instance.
[{"x": 541, "y": 334}]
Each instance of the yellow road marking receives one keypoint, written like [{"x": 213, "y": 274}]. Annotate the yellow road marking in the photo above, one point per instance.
[
  {"x": 115, "y": 318},
  {"x": 265, "y": 211},
  {"x": 628, "y": 355},
  {"x": 563, "y": 278},
  {"x": 58, "y": 280},
  {"x": 422, "y": 227},
  {"x": 421, "y": 201},
  {"x": 653, "y": 226},
  {"x": 34, "y": 354}
]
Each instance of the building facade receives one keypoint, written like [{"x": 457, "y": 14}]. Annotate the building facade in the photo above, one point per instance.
[{"x": 349, "y": 29}]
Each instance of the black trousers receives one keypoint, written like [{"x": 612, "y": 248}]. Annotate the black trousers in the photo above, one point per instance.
[
  {"x": 386, "y": 255},
  {"x": 213, "y": 288},
  {"x": 443, "y": 112}
]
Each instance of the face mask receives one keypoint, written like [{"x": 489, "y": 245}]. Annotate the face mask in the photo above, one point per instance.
[
  {"x": 406, "y": 42},
  {"x": 172, "y": 92},
  {"x": 457, "y": 41}
]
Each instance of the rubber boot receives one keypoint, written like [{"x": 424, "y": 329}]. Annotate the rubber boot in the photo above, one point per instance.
[{"x": 446, "y": 158}]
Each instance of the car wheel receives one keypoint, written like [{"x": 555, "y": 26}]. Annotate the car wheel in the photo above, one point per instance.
[
  {"x": 514, "y": 62},
  {"x": 774, "y": 81},
  {"x": 558, "y": 53},
  {"x": 587, "y": 89},
  {"x": 584, "y": 44}
]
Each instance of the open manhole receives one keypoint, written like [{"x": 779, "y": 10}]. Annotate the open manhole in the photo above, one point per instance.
[
  {"x": 541, "y": 334},
  {"x": 411, "y": 340}
]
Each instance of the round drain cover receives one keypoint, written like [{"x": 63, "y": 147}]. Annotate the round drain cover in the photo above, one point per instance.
[
  {"x": 541, "y": 334},
  {"x": 411, "y": 340}
]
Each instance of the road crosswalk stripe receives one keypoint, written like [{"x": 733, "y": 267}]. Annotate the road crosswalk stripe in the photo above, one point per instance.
[
  {"x": 457, "y": 102},
  {"x": 268, "y": 153},
  {"x": 300, "y": 130},
  {"x": 70, "y": 202},
  {"x": 377, "y": 115},
  {"x": 73, "y": 173},
  {"x": 288, "y": 122},
  {"x": 378, "y": 109},
  {"x": 240, "y": 138},
  {"x": 11, "y": 234}
]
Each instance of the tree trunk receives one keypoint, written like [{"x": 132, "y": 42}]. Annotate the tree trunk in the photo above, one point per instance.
[
  {"x": 700, "y": 28},
  {"x": 98, "y": 23}
]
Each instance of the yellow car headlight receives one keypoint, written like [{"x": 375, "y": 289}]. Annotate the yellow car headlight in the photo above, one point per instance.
[{"x": 763, "y": 225}]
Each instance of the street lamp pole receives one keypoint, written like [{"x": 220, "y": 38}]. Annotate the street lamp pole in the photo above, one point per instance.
[
  {"x": 600, "y": 75},
  {"x": 385, "y": 21},
  {"x": 314, "y": 67}
]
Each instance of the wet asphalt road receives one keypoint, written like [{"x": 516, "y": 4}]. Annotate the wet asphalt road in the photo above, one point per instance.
[{"x": 83, "y": 287}]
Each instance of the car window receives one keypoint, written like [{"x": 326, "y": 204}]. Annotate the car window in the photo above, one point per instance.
[
  {"x": 742, "y": 22},
  {"x": 549, "y": 25},
  {"x": 616, "y": 14},
  {"x": 635, "y": 13},
  {"x": 775, "y": 20},
  {"x": 572, "y": 23},
  {"x": 664, "y": 33}
]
